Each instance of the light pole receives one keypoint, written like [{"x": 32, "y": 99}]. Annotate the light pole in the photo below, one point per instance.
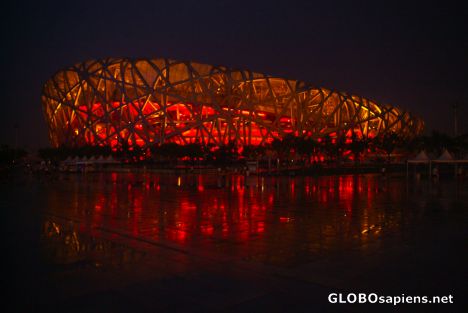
[
  {"x": 455, "y": 119},
  {"x": 16, "y": 126}
]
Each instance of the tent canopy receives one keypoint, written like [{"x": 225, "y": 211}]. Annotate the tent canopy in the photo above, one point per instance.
[
  {"x": 445, "y": 156},
  {"x": 420, "y": 158}
]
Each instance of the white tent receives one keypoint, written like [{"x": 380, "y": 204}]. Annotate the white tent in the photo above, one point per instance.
[
  {"x": 82, "y": 161},
  {"x": 110, "y": 160},
  {"x": 445, "y": 157},
  {"x": 68, "y": 160},
  {"x": 420, "y": 158}
]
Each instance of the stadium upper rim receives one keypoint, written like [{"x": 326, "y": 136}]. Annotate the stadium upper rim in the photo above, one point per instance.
[{"x": 275, "y": 106}]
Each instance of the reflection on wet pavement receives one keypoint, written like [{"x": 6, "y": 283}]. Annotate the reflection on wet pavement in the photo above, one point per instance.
[
  {"x": 126, "y": 242},
  {"x": 68, "y": 248},
  {"x": 277, "y": 221}
]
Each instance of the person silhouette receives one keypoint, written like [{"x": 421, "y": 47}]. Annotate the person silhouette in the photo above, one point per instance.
[{"x": 435, "y": 173}]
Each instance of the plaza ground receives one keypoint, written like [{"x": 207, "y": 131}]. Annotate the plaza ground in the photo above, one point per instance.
[{"x": 123, "y": 242}]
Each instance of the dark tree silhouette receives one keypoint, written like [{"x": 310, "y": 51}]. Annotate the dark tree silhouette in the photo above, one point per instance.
[
  {"x": 10, "y": 155},
  {"x": 388, "y": 143},
  {"x": 357, "y": 146}
]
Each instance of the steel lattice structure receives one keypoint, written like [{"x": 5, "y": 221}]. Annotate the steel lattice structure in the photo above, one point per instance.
[{"x": 143, "y": 102}]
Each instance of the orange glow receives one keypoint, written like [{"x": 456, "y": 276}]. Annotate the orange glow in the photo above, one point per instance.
[
  {"x": 193, "y": 106},
  {"x": 252, "y": 222}
]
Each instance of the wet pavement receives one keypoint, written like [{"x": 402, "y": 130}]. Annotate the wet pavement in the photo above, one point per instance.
[{"x": 123, "y": 242}]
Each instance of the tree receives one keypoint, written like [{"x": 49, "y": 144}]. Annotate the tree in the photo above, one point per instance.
[
  {"x": 10, "y": 155},
  {"x": 307, "y": 147},
  {"x": 357, "y": 146},
  {"x": 327, "y": 147},
  {"x": 226, "y": 153},
  {"x": 193, "y": 151},
  {"x": 253, "y": 152},
  {"x": 169, "y": 151},
  {"x": 136, "y": 154},
  {"x": 388, "y": 143},
  {"x": 461, "y": 145},
  {"x": 277, "y": 147}
]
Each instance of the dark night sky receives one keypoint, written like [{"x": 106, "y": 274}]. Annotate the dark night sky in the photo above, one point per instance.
[{"x": 410, "y": 55}]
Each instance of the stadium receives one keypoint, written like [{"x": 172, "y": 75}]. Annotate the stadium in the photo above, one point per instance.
[{"x": 144, "y": 102}]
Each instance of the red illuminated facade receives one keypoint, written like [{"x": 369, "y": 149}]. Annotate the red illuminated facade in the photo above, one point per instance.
[{"x": 142, "y": 102}]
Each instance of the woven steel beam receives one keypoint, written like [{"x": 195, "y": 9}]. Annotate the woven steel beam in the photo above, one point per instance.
[{"x": 142, "y": 102}]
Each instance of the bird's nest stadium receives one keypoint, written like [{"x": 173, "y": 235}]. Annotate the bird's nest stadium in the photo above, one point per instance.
[{"x": 145, "y": 102}]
